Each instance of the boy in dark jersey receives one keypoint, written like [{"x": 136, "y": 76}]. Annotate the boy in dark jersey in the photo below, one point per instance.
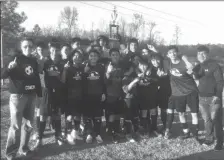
[
  {"x": 94, "y": 95},
  {"x": 114, "y": 100},
  {"x": 73, "y": 79},
  {"x": 184, "y": 91},
  {"x": 146, "y": 94},
  {"x": 164, "y": 88},
  {"x": 52, "y": 75},
  {"x": 42, "y": 102},
  {"x": 24, "y": 85},
  {"x": 129, "y": 84}
]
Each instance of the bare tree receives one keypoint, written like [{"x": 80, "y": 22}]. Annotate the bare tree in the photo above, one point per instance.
[
  {"x": 138, "y": 21},
  {"x": 123, "y": 26},
  {"x": 36, "y": 30},
  {"x": 152, "y": 34},
  {"x": 176, "y": 35},
  {"x": 69, "y": 17}
]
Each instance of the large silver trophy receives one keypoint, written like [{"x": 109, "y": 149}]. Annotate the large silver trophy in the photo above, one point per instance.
[{"x": 114, "y": 38}]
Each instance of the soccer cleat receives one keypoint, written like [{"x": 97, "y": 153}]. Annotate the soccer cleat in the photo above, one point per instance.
[
  {"x": 11, "y": 157},
  {"x": 99, "y": 139},
  {"x": 38, "y": 144},
  {"x": 167, "y": 134},
  {"x": 59, "y": 141},
  {"x": 89, "y": 139},
  {"x": 157, "y": 134},
  {"x": 207, "y": 143},
  {"x": 75, "y": 135},
  {"x": 35, "y": 136},
  {"x": 184, "y": 135},
  {"x": 25, "y": 153},
  {"x": 218, "y": 147},
  {"x": 130, "y": 138},
  {"x": 70, "y": 139}
]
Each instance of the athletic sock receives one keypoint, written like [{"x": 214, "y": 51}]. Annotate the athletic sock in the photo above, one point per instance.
[
  {"x": 163, "y": 117},
  {"x": 77, "y": 124},
  {"x": 38, "y": 122},
  {"x": 170, "y": 117},
  {"x": 57, "y": 127},
  {"x": 41, "y": 129},
  {"x": 195, "y": 129},
  {"x": 185, "y": 127},
  {"x": 153, "y": 122},
  {"x": 97, "y": 126}
]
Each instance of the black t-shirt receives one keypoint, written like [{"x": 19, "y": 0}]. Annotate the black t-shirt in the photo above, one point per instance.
[
  {"x": 114, "y": 83},
  {"x": 75, "y": 81},
  {"x": 183, "y": 84},
  {"x": 94, "y": 80},
  {"x": 53, "y": 81}
]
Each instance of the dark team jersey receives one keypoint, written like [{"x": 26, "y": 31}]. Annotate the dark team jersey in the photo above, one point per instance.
[
  {"x": 24, "y": 78},
  {"x": 126, "y": 60},
  {"x": 50, "y": 80},
  {"x": 148, "y": 83},
  {"x": 74, "y": 81},
  {"x": 94, "y": 80},
  {"x": 183, "y": 84},
  {"x": 126, "y": 81},
  {"x": 114, "y": 82}
]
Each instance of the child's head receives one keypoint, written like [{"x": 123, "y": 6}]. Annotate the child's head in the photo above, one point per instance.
[
  {"x": 102, "y": 40},
  {"x": 145, "y": 54},
  {"x": 65, "y": 51},
  {"x": 202, "y": 53},
  {"x": 136, "y": 59},
  {"x": 156, "y": 60},
  {"x": 76, "y": 43},
  {"x": 133, "y": 45},
  {"x": 115, "y": 55},
  {"x": 76, "y": 57},
  {"x": 93, "y": 56},
  {"x": 54, "y": 52},
  {"x": 40, "y": 49},
  {"x": 26, "y": 46},
  {"x": 172, "y": 52}
]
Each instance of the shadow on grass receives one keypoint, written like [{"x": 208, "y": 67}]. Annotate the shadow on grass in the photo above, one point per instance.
[{"x": 207, "y": 155}]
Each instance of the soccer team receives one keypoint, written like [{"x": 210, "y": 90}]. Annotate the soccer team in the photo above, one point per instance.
[{"x": 117, "y": 83}]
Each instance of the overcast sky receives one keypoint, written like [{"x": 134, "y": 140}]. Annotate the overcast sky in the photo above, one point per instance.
[{"x": 200, "y": 22}]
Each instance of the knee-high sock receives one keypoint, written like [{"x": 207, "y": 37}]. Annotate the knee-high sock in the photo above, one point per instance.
[
  {"x": 195, "y": 129},
  {"x": 163, "y": 117},
  {"x": 77, "y": 124},
  {"x": 144, "y": 122},
  {"x": 170, "y": 117},
  {"x": 88, "y": 126},
  {"x": 153, "y": 122},
  {"x": 97, "y": 126},
  {"x": 128, "y": 126},
  {"x": 41, "y": 129},
  {"x": 38, "y": 122},
  {"x": 68, "y": 126},
  {"x": 57, "y": 127}
]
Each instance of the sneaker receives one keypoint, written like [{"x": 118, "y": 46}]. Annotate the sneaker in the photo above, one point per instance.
[
  {"x": 38, "y": 144},
  {"x": 207, "y": 143},
  {"x": 35, "y": 136},
  {"x": 89, "y": 139},
  {"x": 130, "y": 138},
  {"x": 157, "y": 134},
  {"x": 26, "y": 153},
  {"x": 218, "y": 147},
  {"x": 167, "y": 134},
  {"x": 75, "y": 135},
  {"x": 11, "y": 157},
  {"x": 59, "y": 141},
  {"x": 115, "y": 139},
  {"x": 184, "y": 135},
  {"x": 99, "y": 139},
  {"x": 70, "y": 139}
]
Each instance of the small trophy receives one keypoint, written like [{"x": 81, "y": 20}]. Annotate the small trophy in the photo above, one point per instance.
[{"x": 113, "y": 26}]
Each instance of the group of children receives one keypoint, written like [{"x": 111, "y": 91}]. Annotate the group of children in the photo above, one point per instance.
[
  {"x": 112, "y": 83},
  {"x": 101, "y": 82}
]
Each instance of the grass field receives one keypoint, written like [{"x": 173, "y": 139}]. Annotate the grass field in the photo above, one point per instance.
[{"x": 147, "y": 149}]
